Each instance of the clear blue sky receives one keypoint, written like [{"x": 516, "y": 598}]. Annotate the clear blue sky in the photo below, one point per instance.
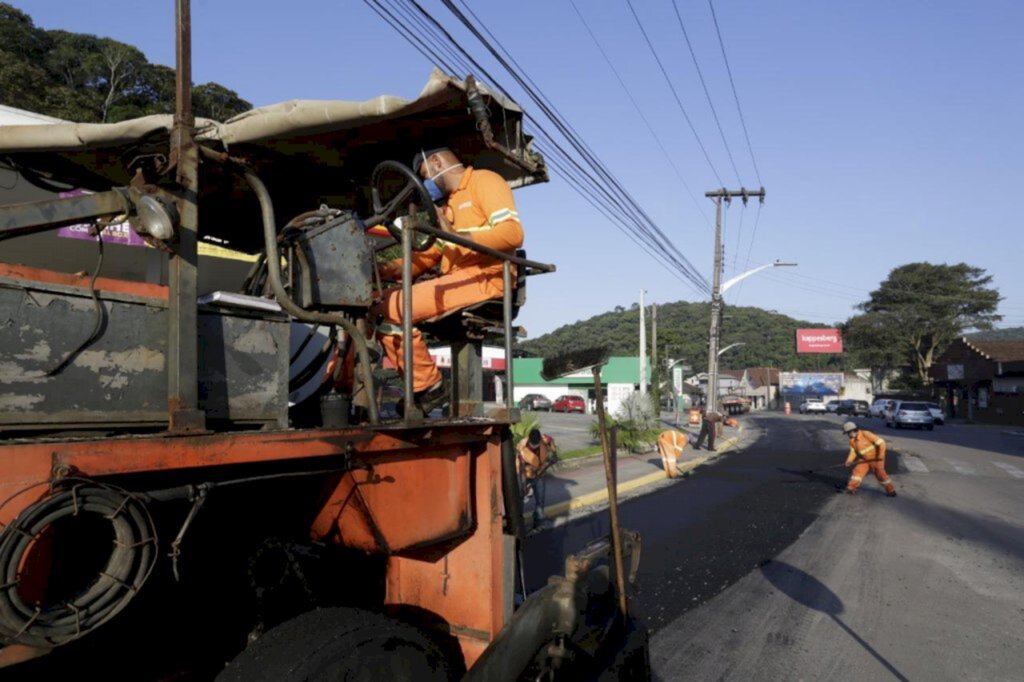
[{"x": 885, "y": 132}]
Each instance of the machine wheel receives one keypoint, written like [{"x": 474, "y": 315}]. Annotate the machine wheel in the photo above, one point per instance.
[{"x": 340, "y": 644}]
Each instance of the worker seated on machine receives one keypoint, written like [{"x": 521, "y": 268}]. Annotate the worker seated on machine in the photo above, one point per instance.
[{"x": 473, "y": 203}]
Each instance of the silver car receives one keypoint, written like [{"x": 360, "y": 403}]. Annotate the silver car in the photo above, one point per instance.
[{"x": 907, "y": 413}]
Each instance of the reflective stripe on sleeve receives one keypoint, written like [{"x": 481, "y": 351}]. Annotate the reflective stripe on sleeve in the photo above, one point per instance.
[
  {"x": 388, "y": 328},
  {"x": 857, "y": 478},
  {"x": 501, "y": 215}
]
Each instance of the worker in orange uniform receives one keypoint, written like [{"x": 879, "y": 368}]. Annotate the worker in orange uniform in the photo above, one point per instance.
[
  {"x": 479, "y": 206},
  {"x": 670, "y": 445},
  {"x": 535, "y": 455},
  {"x": 867, "y": 453}
]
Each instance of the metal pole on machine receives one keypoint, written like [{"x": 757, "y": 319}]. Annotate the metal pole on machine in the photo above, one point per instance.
[{"x": 182, "y": 344}]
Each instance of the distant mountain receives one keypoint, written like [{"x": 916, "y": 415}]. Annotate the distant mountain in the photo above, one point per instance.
[
  {"x": 1007, "y": 334},
  {"x": 769, "y": 338}
]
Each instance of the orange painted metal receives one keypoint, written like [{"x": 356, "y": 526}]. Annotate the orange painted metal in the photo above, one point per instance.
[
  {"x": 82, "y": 281},
  {"x": 431, "y": 499},
  {"x": 403, "y": 502},
  {"x": 466, "y": 585}
]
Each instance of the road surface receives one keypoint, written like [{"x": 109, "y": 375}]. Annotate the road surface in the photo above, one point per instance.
[{"x": 754, "y": 569}]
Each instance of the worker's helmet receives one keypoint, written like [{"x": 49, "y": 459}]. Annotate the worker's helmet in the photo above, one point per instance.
[{"x": 849, "y": 427}]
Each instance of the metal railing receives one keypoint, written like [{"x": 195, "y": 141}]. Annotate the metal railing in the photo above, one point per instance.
[{"x": 412, "y": 414}]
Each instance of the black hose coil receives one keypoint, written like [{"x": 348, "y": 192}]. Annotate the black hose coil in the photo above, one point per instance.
[{"x": 130, "y": 563}]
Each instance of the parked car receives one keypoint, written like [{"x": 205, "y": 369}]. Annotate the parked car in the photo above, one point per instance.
[
  {"x": 569, "y": 403},
  {"x": 856, "y": 408},
  {"x": 937, "y": 414},
  {"x": 832, "y": 406},
  {"x": 906, "y": 413},
  {"x": 812, "y": 405},
  {"x": 877, "y": 408},
  {"x": 535, "y": 402}
]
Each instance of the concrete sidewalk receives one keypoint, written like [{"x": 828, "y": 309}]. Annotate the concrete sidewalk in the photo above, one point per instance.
[{"x": 580, "y": 484}]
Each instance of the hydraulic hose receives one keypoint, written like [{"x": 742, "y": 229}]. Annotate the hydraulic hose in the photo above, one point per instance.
[{"x": 128, "y": 567}]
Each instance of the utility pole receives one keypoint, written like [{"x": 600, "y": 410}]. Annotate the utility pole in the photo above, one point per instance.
[
  {"x": 643, "y": 347},
  {"x": 655, "y": 369},
  {"x": 718, "y": 196}
]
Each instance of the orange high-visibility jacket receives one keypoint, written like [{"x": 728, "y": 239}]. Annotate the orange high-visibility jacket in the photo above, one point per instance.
[
  {"x": 481, "y": 209},
  {"x": 672, "y": 441},
  {"x": 530, "y": 462},
  {"x": 866, "y": 446}
]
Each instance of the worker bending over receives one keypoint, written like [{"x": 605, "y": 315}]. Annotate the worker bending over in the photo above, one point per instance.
[
  {"x": 670, "y": 445},
  {"x": 478, "y": 206},
  {"x": 534, "y": 455},
  {"x": 709, "y": 421},
  {"x": 867, "y": 453}
]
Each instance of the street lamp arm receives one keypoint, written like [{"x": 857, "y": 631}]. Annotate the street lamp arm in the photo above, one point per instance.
[
  {"x": 731, "y": 346},
  {"x": 748, "y": 273}
]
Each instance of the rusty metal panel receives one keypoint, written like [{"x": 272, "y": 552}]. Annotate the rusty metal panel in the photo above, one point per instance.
[
  {"x": 334, "y": 269},
  {"x": 120, "y": 378},
  {"x": 243, "y": 367}
]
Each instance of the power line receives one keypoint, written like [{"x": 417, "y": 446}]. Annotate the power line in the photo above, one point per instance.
[
  {"x": 675, "y": 94},
  {"x": 735, "y": 95},
  {"x": 584, "y": 182},
  {"x": 640, "y": 112},
  {"x": 707, "y": 94},
  {"x": 549, "y": 110}
]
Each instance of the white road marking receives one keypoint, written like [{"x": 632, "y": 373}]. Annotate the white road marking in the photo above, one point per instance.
[
  {"x": 914, "y": 464},
  {"x": 962, "y": 468},
  {"x": 1010, "y": 469}
]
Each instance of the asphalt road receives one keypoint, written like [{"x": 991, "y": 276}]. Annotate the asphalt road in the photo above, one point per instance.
[{"x": 754, "y": 569}]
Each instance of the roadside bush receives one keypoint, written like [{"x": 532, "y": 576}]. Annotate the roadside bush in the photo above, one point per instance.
[
  {"x": 637, "y": 425},
  {"x": 527, "y": 423}
]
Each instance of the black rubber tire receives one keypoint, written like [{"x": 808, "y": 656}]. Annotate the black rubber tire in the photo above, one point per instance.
[{"x": 340, "y": 644}]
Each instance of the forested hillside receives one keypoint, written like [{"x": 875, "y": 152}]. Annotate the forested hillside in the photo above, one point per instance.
[
  {"x": 89, "y": 79},
  {"x": 769, "y": 338}
]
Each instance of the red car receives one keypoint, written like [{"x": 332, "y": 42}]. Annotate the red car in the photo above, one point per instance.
[{"x": 569, "y": 403}]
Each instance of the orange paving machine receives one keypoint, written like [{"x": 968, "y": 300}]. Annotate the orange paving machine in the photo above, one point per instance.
[{"x": 190, "y": 473}]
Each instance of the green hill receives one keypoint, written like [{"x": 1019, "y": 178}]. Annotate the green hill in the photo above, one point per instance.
[{"x": 769, "y": 338}]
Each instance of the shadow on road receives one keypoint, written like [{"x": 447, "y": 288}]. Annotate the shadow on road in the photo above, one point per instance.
[{"x": 810, "y": 592}]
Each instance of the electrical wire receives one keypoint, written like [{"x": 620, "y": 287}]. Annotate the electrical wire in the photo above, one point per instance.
[
  {"x": 601, "y": 181},
  {"x": 707, "y": 93},
  {"x": 523, "y": 80},
  {"x": 732, "y": 83},
  {"x": 640, "y": 112},
  {"x": 675, "y": 94}
]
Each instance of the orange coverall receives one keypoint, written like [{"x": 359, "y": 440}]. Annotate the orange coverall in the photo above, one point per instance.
[
  {"x": 670, "y": 445},
  {"x": 482, "y": 209},
  {"x": 870, "y": 450}
]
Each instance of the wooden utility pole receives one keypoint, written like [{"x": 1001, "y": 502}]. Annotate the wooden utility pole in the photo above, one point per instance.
[{"x": 718, "y": 196}]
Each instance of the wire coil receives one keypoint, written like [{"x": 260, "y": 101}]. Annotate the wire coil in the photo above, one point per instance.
[{"x": 129, "y": 565}]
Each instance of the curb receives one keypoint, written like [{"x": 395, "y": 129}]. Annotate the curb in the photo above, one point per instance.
[{"x": 600, "y": 496}]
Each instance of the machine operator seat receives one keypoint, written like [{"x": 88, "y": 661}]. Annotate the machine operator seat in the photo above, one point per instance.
[{"x": 480, "y": 321}]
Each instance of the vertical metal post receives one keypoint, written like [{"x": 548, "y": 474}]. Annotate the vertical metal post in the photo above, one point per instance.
[
  {"x": 412, "y": 411},
  {"x": 182, "y": 344},
  {"x": 470, "y": 380},
  {"x": 506, "y": 273},
  {"x": 611, "y": 477}
]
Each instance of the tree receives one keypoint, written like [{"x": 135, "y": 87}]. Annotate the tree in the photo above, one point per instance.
[
  {"x": 925, "y": 306},
  {"x": 211, "y": 100},
  {"x": 870, "y": 341}
]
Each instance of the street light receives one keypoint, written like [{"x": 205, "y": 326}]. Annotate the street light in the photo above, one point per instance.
[
  {"x": 730, "y": 347},
  {"x": 716, "y": 322}
]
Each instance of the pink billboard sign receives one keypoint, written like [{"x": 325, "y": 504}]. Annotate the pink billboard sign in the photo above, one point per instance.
[
  {"x": 818, "y": 341},
  {"x": 118, "y": 233}
]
